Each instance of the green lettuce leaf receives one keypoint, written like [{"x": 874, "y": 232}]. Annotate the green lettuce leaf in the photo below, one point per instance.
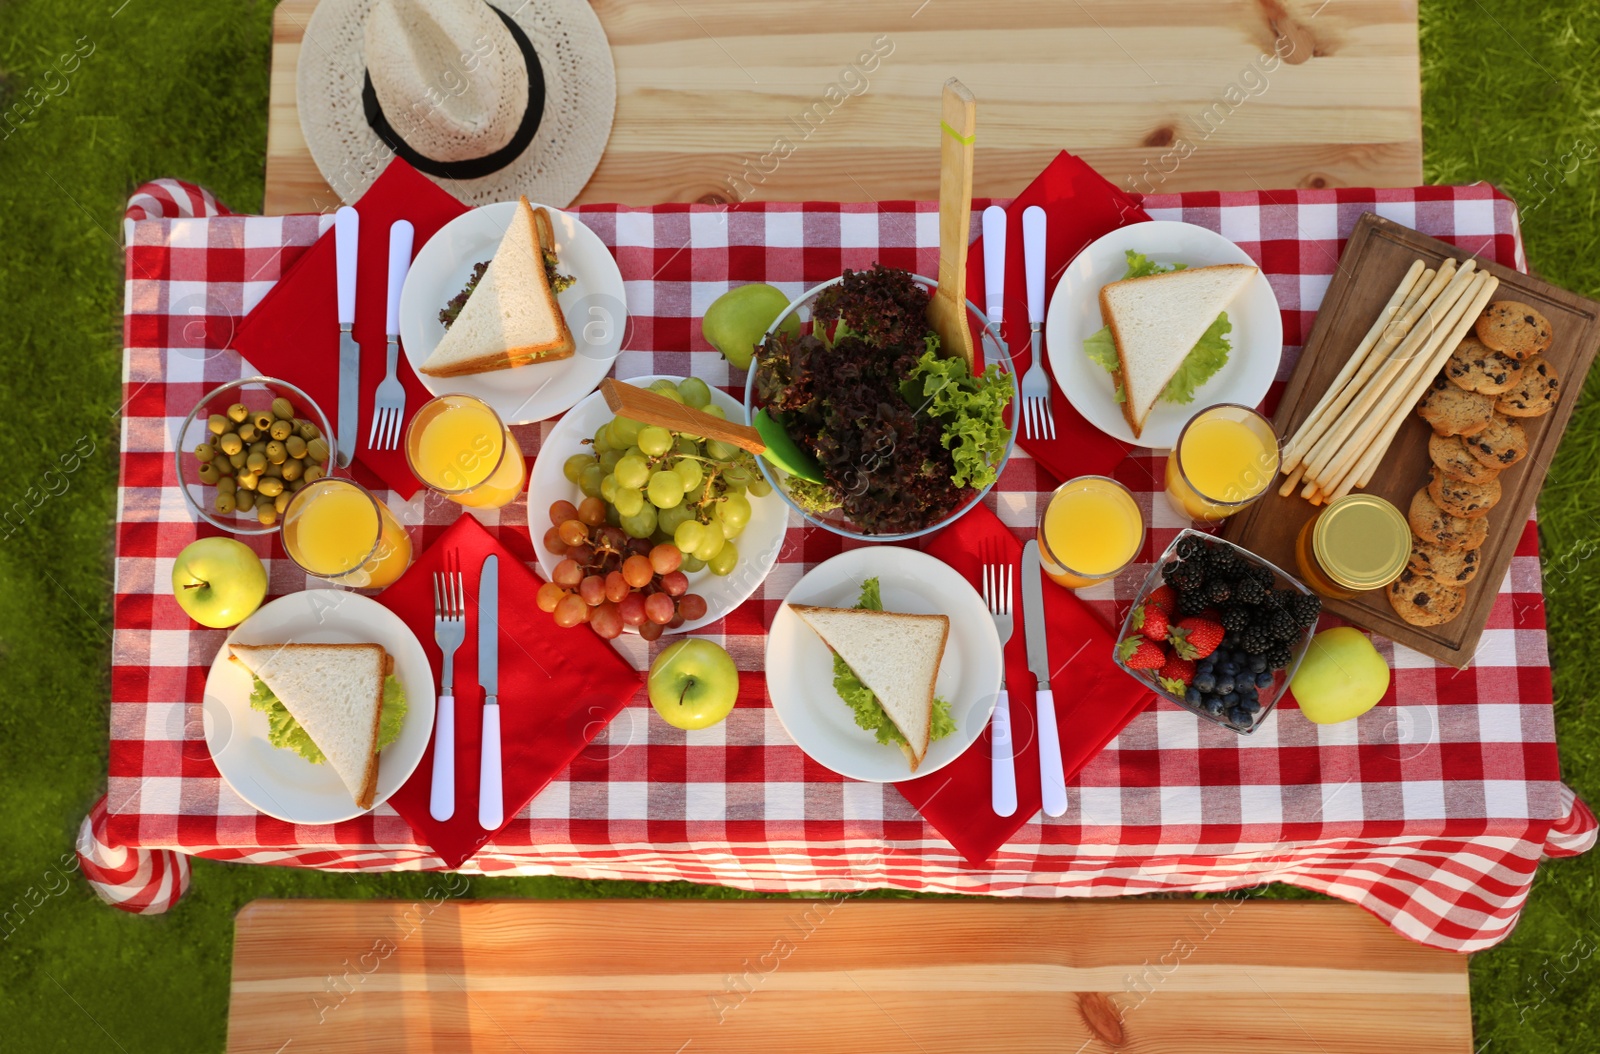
[
  {"x": 1210, "y": 354},
  {"x": 285, "y": 732},
  {"x": 971, "y": 410},
  {"x": 868, "y": 711},
  {"x": 1141, "y": 266}
]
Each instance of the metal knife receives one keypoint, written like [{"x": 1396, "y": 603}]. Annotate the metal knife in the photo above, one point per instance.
[
  {"x": 1033, "y": 227},
  {"x": 346, "y": 232},
  {"x": 1052, "y": 778},
  {"x": 491, "y": 799}
]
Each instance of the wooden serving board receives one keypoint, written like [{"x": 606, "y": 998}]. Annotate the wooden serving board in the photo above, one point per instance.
[
  {"x": 842, "y": 975},
  {"x": 1160, "y": 96},
  {"x": 1374, "y": 261}
]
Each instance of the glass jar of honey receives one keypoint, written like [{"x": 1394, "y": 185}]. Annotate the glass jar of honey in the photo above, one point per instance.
[{"x": 1354, "y": 544}]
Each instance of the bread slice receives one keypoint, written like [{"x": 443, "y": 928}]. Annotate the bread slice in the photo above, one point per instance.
[
  {"x": 335, "y": 691},
  {"x": 1157, "y": 320},
  {"x": 895, "y": 655},
  {"x": 512, "y": 317}
]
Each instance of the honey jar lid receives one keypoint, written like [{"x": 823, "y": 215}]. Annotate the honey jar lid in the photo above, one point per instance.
[{"x": 1361, "y": 541}]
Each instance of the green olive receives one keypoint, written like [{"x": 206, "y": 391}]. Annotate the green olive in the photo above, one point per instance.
[
  {"x": 267, "y": 515},
  {"x": 258, "y": 447},
  {"x": 246, "y": 480},
  {"x": 311, "y": 474},
  {"x": 283, "y": 409},
  {"x": 263, "y": 420},
  {"x": 244, "y": 500},
  {"x": 270, "y": 487},
  {"x": 292, "y": 468},
  {"x": 237, "y": 459},
  {"x": 281, "y": 429},
  {"x": 247, "y": 432},
  {"x": 256, "y": 462},
  {"x": 227, "y": 484},
  {"x": 317, "y": 449},
  {"x": 224, "y": 502},
  {"x": 307, "y": 431},
  {"x": 217, "y": 424},
  {"x": 230, "y": 443},
  {"x": 295, "y": 485},
  {"x": 208, "y": 474},
  {"x": 223, "y": 465},
  {"x": 273, "y": 471},
  {"x": 295, "y": 446},
  {"x": 205, "y": 452},
  {"x": 277, "y": 452},
  {"x": 281, "y": 502}
]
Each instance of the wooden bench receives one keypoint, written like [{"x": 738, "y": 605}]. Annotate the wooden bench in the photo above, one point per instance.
[{"x": 846, "y": 974}]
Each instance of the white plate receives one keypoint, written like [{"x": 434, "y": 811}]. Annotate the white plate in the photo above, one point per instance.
[
  {"x": 280, "y": 782},
  {"x": 758, "y": 543},
  {"x": 1256, "y": 337},
  {"x": 800, "y": 666},
  {"x": 594, "y": 305}
]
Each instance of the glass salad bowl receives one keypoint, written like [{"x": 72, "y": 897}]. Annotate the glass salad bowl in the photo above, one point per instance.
[
  {"x": 257, "y": 395},
  {"x": 801, "y": 494}
]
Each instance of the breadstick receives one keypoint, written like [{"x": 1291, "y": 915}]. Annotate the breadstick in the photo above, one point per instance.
[
  {"x": 1293, "y": 481},
  {"x": 1394, "y": 334},
  {"x": 1369, "y": 461},
  {"x": 1397, "y": 360},
  {"x": 1401, "y": 294}
]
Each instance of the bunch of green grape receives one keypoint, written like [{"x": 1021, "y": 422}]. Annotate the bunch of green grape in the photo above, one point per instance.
[{"x": 667, "y": 486}]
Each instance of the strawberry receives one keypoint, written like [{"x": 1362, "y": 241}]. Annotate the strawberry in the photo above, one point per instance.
[
  {"x": 1163, "y": 597},
  {"x": 1137, "y": 653},
  {"x": 1195, "y": 638},
  {"x": 1150, "y": 621},
  {"x": 1176, "y": 674}
]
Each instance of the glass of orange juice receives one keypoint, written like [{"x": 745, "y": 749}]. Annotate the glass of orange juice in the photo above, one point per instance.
[
  {"x": 458, "y": 446},
  {"x": 1225, "y": 457},
  {"x": 1089, "y": 530},
  {"x": 335, "y": 529}
]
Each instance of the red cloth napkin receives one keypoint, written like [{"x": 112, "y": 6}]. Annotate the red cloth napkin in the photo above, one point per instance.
[
  {"x": 1080, "y": 206},
  {"x": 1094, "y": 698},
  {"x": 294, "y": 332},
  {"x": 558, "y": 688}
]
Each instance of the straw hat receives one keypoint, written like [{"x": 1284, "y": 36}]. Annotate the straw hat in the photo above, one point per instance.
[{"x": 488, "y": 102}]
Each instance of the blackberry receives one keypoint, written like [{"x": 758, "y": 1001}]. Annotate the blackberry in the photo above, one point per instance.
[
  {"x": 1263, "y": 575},
  {"x": 1249, "y": 589},
  {"x": 1305, "y": 608},
  {"x": 1256, "y": 639},
  {"x": 1278, "y": 656},
  {"x": 1187, "y": 576},
  {"x": 1235, "y": 619},
  {"x": 1191, "y": 603},
  {"x": 1282, "y": 626},
  {"x": 1225, "y": 561},
  {"x": 1219, "y": 590},
  {"x": 1190, "y": 546}
]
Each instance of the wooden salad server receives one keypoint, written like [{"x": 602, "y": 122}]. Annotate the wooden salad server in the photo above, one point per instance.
[
  {"x": 769, "y": 440},
  {"x": 947, "y": 311}
]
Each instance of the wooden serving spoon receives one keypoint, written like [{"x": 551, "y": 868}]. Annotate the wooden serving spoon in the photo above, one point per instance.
[
  {"x": 947, "y": 311},
  {"x": 768, "y": 439}
]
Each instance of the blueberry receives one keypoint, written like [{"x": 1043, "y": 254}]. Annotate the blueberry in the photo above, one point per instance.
[
  {"x": 1192, "y": 696},
  {"x": 1246, "y": 689},
  {"x": 1224, "y": 685},
  {"x": 1263, "y": 679},
  {"x": 1228, "y": 669},
  {"x": 1213, "y": 705},
  {"x": 1251, "y": 704},
  {"x": 1239, "y": 717},
  {"x": 1258, "y": 663},
  {"x": 1205, "y": 682},
  {"x": 1203, "y": 666},
  {"x": 1230, "y": 699}
]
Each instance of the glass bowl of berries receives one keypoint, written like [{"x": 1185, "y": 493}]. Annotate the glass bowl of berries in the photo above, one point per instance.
[{"x": 1217, "y": 630}]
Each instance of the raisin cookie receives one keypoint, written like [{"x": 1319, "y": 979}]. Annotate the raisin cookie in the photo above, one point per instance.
[
  {"x": 1502, "y": 444},
  {"x": 1479, "y": 369},
  {"x": 1467, "y": 500},
  {"x": 1535, "y": 392},
  {"x": 1514, "y": 328},
  {"x": 1424, "y": 601},
  {"x": 1454, "y": 412},
  {"x": 1433, "y": 524},
  {"x": 1451, "y": 456},
  {"x": 1453, "y": 567}
]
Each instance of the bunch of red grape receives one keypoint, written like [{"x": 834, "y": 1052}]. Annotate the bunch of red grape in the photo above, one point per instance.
[{"x": 611, "y": 580}]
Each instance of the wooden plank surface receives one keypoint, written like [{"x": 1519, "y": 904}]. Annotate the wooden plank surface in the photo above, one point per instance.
[
  {"x": 1160, "y": 95},
  {"x": 1375, "y": 258},
  {"x": 893, "y": 977}
]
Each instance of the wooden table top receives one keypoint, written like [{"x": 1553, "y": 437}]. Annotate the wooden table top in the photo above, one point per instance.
[{"x": 1159, "y": 96}]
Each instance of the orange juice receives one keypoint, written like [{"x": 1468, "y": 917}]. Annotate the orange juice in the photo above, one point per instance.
[
  {"x": 457, "y": 446},
  {"x": 1225, "y": 457},
  {"x": 1089, "y": 531},
  {"x": 335, "y": 529}
]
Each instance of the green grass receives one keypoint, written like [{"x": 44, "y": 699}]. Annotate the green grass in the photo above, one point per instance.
[{"x": 180, "y": 89}]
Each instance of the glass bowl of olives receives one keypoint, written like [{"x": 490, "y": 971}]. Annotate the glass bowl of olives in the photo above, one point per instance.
[{"x": 244, "y": 450}]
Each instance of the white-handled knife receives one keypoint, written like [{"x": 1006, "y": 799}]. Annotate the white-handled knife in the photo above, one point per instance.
[
  {"x": 346, "y": 235},
  {"x": 1052, "y": 778},
  {"x": 994, "y": 262},
  {"x": 491, "y": 799}
]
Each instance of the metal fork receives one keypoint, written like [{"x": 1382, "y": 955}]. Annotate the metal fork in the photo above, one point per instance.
[
  {"x": 1038, "y": 419},
  {"x": 1003, "y": 770},
  {"x": 389, "y": 402},
  {"x": 449, "y": 630}
]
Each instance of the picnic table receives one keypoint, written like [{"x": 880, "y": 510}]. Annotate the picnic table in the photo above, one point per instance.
[{"x": 1432, "y": 810}]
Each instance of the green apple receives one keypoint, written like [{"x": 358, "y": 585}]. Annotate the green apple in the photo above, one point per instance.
[
  {"x": 693, "y": 683},
  {"x": 737, "y": 320},
  {"x": 219, "y": 582},
  {"x": 1341, "y": 677}
]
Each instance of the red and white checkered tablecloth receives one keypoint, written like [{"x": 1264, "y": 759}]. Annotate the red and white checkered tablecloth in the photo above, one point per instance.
[{"x": 1432, "y": 810}]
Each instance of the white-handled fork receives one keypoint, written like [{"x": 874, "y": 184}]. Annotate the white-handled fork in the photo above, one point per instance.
[
  {"x": 1038, "y": 419},
  {"x": 1002, "y": 760},
  {"x": 389, "y": 402},
  {"x": 449, "y": 630}
]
